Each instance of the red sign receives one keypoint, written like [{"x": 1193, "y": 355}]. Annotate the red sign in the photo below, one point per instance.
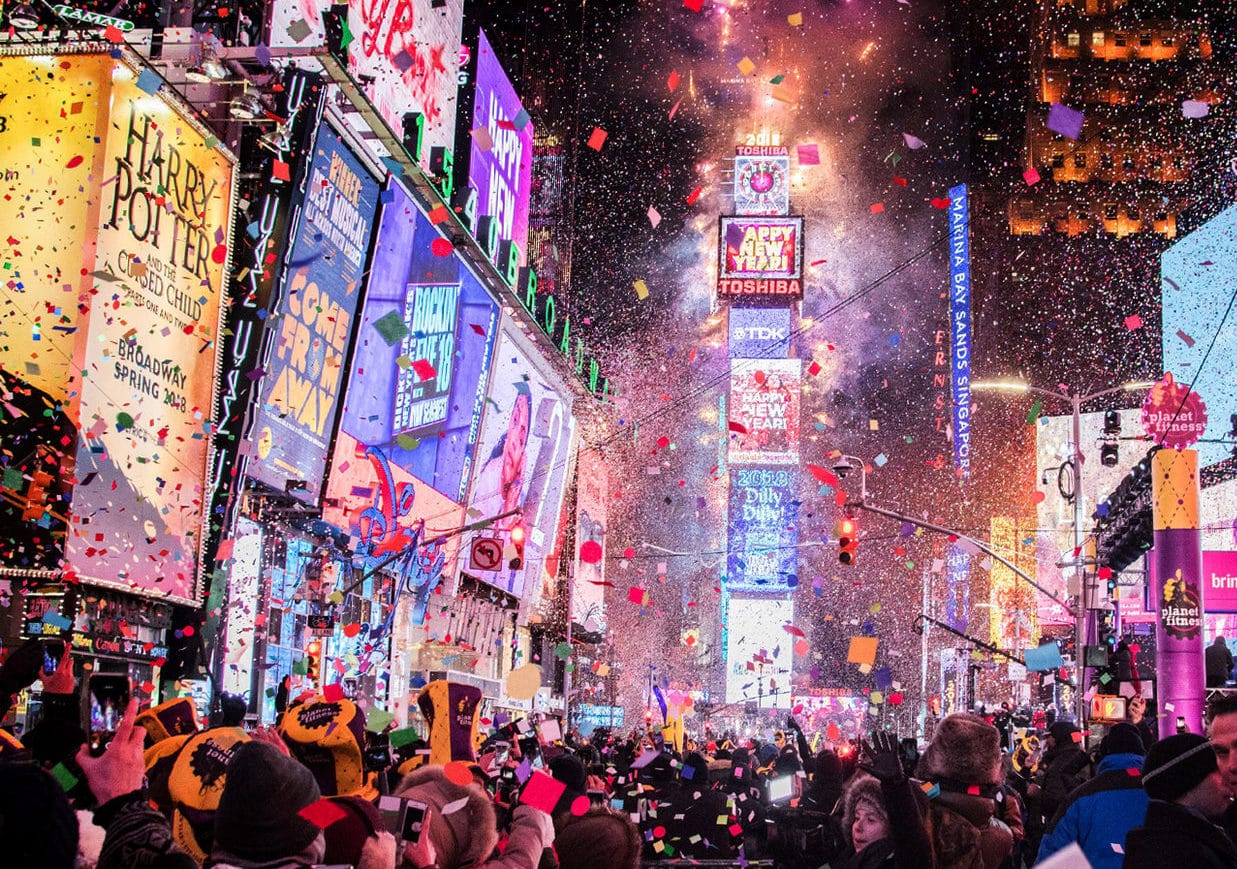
[
  {"x": 1173, "y": 415},
  {"x": 486, "y": 554}
]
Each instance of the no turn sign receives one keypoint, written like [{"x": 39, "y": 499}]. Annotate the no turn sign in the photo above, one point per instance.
[{"x": 486, "y": 554}]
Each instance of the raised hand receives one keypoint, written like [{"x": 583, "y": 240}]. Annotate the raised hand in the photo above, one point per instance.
[{"x": 880, "y": 757}]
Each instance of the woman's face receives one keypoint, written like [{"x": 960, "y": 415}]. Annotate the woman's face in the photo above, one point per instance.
[
  {"x": 517, "y": 440},
  {"x": 869, "y": 826}
]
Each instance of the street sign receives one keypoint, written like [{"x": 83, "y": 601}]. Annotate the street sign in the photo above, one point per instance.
[
  {"x": 486, "y": 554},
  {"x": 320, "y": 625}
]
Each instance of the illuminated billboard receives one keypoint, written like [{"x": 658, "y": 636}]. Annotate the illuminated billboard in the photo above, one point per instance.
[
  {"x": 432, "y": 447},
  {"x": 960, "y": 323},
  {"x": 760, "y": 257},
  {"x": 523, "y": 459},
  {"x": 836, "y": 712},
  {"x": 1199, "y": 275},
  {"x": 588, "y": 596},
  {"x": 404, "y": 52},
  {"x": 758, "y": 651},
  {"x": 762, "y": 530},
  {"x": 764, "y": 411},
  {"x": 1014, "y": 611},
  {"x": 502, "y": 174},
  {"x": 322, "y": 283},
  {"x": 758, "y": 333},
  {"x": 244, "y": 600},
  {"x": 762, "y": 180},
  {"x": 129, "y": 292}
]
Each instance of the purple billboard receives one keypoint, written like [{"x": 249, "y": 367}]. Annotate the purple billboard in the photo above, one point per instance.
[
  {"x": 313, "y": 321},
  {"x": 500, "y": 167}
]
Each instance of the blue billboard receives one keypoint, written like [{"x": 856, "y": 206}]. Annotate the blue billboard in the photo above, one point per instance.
[
  {"x": 312, "y": 322},
  {"x": 1199, "y": 276},
  {"x": 417, "y": 393},
  {"x": 759, "y": 333},
  {"x": 762, "y": 529},
  {"x": 960, "y": 323}
]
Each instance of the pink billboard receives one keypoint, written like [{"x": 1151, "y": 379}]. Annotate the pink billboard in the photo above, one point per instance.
[{"x": 1219, "y": 581}]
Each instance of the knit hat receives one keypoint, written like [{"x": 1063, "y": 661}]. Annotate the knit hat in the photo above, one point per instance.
[
  {"x": 452, "y": 711},
  {"x": 599, "y": 831},
  {"x": 356, "y": 839},
  {"x": 1177, "y": 764},
  {"x": 171, "y": 718},
  {"x": 1122, "y": 738},
  {"x": 195, "y": 783},
  {"x": 467, "y": 835},
  {"x": 329, "y": 738},
  {"x": 159, "y": 759},
  {"x": 1063, "y": 732},
  {"x": 965, "y": 749},
  {"x": 568, "y": 769},
  {"x": 259, "y": 812},
  {"x": 38, "y": 827}
]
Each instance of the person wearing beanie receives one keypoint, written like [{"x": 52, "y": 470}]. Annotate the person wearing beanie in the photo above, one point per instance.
[
  {"x": 258, "y": 820},
  {"x": 969, "y": 826},
  {"x": 880, "y": 816},
  {"x": 599, "y": 831},
  {"x": 461, "y": 830},
  {"x": 359, "y": 838},
  {"x": 1063, "y": 767},
  {"x": 1100, "y": 813},
  {"x": 1188, "y": 795}
]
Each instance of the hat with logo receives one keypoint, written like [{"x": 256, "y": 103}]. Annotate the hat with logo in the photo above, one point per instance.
[
  {"x": 171, "y": 718},
  {"x": 329, "y": 738},
  {"x": 196, "y": 777}
]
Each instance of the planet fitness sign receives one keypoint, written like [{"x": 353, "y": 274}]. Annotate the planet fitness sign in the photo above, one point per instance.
[{"x": 1173, "y": 415}]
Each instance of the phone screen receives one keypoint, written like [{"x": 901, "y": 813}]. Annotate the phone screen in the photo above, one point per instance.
[
  {"x": 109, "y": 695},
  {"x": 413, "y": 823},
  {"x": 53, "y": 651},
  {"x": 781, "y": 788}
]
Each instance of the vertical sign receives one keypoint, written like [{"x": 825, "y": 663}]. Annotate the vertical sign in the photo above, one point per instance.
[
  {"x": 958, "y": 587},
  {"x": 762, "y": 531},
  {"x": 424, "y": 380},
  {"x": 960, "y": 324},
  {"x": 242, "y": 608}
]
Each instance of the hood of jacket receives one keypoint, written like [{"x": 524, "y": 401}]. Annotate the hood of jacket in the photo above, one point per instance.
[{"x": 1119, "y": 761}]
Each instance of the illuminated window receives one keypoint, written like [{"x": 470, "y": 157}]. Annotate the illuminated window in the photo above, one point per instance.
[
  {"x": 1097, "y": 38},
  {"x": 1058, "y": 161},
  {"x": 1167, "y": 42},
  {"x": 1072, "y": 40},
  {"x": 1080, "y": 160},
  {"x": 1106, "y": 161},
  {"x": 1132, "y": 212},
  {"x": 1120, "y": 42}
]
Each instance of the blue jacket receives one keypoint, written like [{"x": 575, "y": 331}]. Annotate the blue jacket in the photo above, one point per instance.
[{"x": 1099, "y": 813}]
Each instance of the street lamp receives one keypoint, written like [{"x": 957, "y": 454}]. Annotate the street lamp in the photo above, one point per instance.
[{"x": 1076, "y": 401}]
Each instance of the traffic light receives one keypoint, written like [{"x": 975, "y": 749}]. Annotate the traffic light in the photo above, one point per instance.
[
  {"x": 518, "y": 534},
  {"x": 848, "y": 540},
  {"x": 313, "y": 657},
  {"x": 1110, "y": 580}
]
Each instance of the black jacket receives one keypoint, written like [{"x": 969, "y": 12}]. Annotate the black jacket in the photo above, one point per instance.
[
  {"x": 1173, "y": 837},
  {"x": 1065, "y": 767}
]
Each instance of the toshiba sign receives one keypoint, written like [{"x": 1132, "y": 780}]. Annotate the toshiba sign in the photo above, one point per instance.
[{"x": 760, "y": 256}]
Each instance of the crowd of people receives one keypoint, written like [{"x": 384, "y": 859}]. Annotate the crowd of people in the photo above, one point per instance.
[{"x": 321, "y": 790}]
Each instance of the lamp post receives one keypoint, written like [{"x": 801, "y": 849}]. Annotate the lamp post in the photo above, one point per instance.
[{"x": 1076, "y": 401}]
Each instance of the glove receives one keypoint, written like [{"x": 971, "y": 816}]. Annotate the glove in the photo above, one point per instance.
[{"x": 880, "y": 758}]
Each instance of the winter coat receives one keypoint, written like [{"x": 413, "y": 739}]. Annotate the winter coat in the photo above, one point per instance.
[
  {"x": 1174, "y": 837},
  {"x": 686, "y": 813},
  {"x": 1100, "y": 813},
  {"x": 966, "y": 832},
  {"x": 909, "y": 846},
  {"x": 1065, "y": 767}
]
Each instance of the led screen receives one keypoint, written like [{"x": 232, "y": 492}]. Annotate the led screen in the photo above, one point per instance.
[
  {"x": 431, "y": 431},
  {"x": 762, "y": 529},
  {"x": 1199, "y": 275},
  {"x": 760, "y": 256},
  {"x": 300, "y": 390},
  {"x": 588, "y": 597},
  {"x": 762, "y": 180},
  {"x": 758, "y": 652},
  {"x": 244, "y": 573},
  {"x": 831, "y": 712},
  {"x": 759, "y": 333},
  {"x": 125, "y": 287},
  {"x": 502, "y": 174},
  {"x": 522, "y": 459},
  {"x": 764, "y": 411}
]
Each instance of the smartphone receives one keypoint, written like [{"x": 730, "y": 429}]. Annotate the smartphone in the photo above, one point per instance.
[
  {"x": 530, "y": 748},
  {"x": 404, "y": 818},
  {"x": 597, "y": 798},
  {"x": 109, "y": 696},
  {"x": 502, "y": 750},
  {"x": 53, "y": 651},
  {"x": 781, "y": 789}
]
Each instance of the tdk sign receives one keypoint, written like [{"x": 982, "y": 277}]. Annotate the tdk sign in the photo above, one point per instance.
[{"x": 759, "y": 333}]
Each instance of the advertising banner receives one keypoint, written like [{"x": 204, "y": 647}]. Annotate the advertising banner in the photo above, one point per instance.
[
  {"x": 143, "y": 326},
  {"x": 325, "y": 261},
  {"x": 760, "y": 256},
  {"x": 436, "y": 447},
  {"x": 835, "y": 712},
  {"x": 954, "y": 693},
  {"x": 1219, "y": 580},
  {"x": 762, "y": 180},
  {"x": 764, "y": 411},
  {"x": 502, "y": 174},
  {"x": 404, "y": 52},
  {"x": 523, "y": 459},
  {"x": 957, "y": 587},
  {"x": 960, "y": 323},
  {"x": 759, "y": 333},
  {"x": 762, "y": 528},
  {"x": 242, "y": 608},
  {"x": 588, "y": 596},
  {"x": 1013, "y": 609},
  {"x": 758, "y": 651}
]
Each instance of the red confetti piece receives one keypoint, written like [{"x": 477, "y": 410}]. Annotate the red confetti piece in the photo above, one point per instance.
[
  {"x": 901, "y": 182},
  {"x": 941, "y": 203},
  {"x": 542, "y": 792},
  {"x": 597, "y": 139},
  {"x": 219, "y": 254},
  {"x": 438, "y": 214},
  {"x": 876, "y": 208},
  {"x": 114, "y": 34},
  {"x": 74, "y": 161},
  {"x": 480, "y": 331},
  {"x": 333, "y": 693},
  {"x": 736, "y": 427},
  {"x": 824, "y": 475},
  {"x": 441, "y": 247},
  {"x": 663, "y": 442},
  {"x": 695, "y": 194},
  {"x": 590, "y": 552},
  {"x": 635, "y": 594},
  {"x": 814, "y": 368},
  {"x": 323, "y": 813},
  {"x": 673, "y": 80},
  {"x": 791, "y": 629},
  {"x": 425, "y": 371},
  {"x": 629, "y": 553},
  {"x": 351, "y": 630},
  {"x": 693, "y": 5}
]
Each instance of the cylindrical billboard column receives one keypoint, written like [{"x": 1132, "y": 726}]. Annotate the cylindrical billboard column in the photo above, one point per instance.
[{"x": 1178, "y": 570}]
